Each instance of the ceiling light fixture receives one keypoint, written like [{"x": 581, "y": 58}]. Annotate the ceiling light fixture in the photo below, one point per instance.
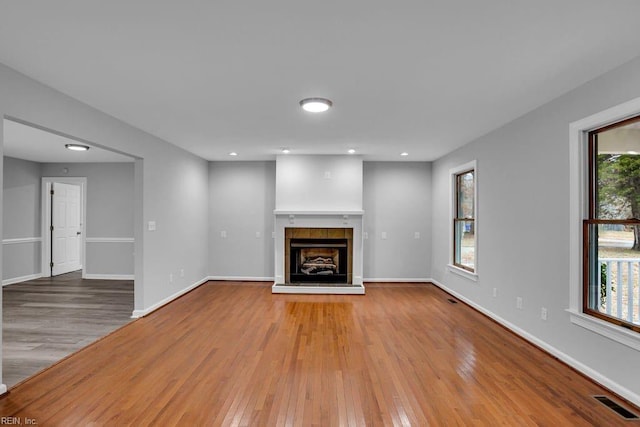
[
  {"x": 286, "y": 150},
  {"x": 351, "y": 151},
  {"x": 315, "y": 105},
  {"x": 76, "y": 147},
  {"x": 233, "y": 153},
  {"x": 404, "y": 154}
]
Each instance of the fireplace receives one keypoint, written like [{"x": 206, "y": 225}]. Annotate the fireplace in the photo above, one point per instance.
[
  {"x": 318, "y": 260},
  {"x": 318, "y": 255},
  {"x": 321, "y": 234}
]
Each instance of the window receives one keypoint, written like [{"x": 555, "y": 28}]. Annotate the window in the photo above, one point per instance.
[
  {"x": 464, "y": 218},
  {"x": 611, "y": 230}
]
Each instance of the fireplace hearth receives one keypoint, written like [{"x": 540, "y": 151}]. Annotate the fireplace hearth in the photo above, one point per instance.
[{"x": 318, "y": 260}]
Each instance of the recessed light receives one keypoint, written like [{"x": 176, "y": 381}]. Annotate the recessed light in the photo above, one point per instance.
[
  {"x": 315, "y": 105},
  {"x": 404, "y": 154},
  {"x": 351, "y": 151},
  {"x": 77, "y": 147},
  {"x": 233, "y": 153},
  {"x": 286, "y": 150}
]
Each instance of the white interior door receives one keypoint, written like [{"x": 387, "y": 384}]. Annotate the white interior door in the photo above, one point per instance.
[{"x": 67, "y": 228}]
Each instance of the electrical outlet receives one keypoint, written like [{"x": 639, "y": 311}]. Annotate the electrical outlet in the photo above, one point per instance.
[
  {"x": 416, "y": 235},
  {"x": 495, "y": 292},
  {"x": 182, "y": 272},
  {"x": 383, "y": 235},
  {"x": 273, "y": 234},
  {"x": 365, "y": 235},
  {"x": 543, "y": 313},
  {"x": 258, "y": 234},
  {"x": 170, "y": 277},
  {"x": 223, "y": 234},
  {"x": 151, "y": 226},
  {"x": 519, "y": 303}
]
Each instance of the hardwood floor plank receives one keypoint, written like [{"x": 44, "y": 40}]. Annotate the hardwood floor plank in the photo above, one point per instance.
[{"x": 234, "y": 354}]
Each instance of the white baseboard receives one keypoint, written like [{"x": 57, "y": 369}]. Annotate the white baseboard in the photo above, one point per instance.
[
  {"x": 108, "y": 276},
  {"x": 396, "y": 280},
  {"x": 14, "y": 280},
  {"x": 141, "y": 313},
  {"x": 579, "y": 366},
  {"x": 242, "y": 278},
  {"x": 3, "y": 389}
]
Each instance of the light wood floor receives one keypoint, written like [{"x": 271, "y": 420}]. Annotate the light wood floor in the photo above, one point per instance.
[
  {"x": 234, "y": 354},
  {"x": 47, "y": 319}
]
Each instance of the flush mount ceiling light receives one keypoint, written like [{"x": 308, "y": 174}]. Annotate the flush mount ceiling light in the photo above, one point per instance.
[
  {"x": 233, "y": 153},
  {"x": 286, "y": 150},
  {"x": 315, "y": 105},
  {"x": 351, "y": 151},
  {"x": 404, "y": 154},
  {"x": 76, "y": 147}
]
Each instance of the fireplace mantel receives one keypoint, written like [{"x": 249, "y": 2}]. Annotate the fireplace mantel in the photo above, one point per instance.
[
  {"x": 321, "y": 213},
  {"x": 318, "y": 219}
]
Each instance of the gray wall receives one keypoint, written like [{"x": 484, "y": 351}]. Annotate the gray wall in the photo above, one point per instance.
[
  {"x": 523, "y": 224},
  {"x": 110, "y": 213},
  {"x": 397, "y": 201},
  {"x": 21, "y": 218},
  {"x": 241, "y": 203}
]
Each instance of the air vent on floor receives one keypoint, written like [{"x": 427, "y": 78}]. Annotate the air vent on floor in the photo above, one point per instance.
[
  {"x": 623, "y": 412},
  {"x": 452, "y": 301}
]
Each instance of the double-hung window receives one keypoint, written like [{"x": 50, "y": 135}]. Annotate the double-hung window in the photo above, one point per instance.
[
  {"x": 464, "y": 218},
  {"x": 611, "y": 230}
]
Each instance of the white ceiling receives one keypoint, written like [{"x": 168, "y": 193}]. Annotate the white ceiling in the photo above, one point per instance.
[
  {"x": 218, "y": 76},
  {"x": 30, "y": 143}
]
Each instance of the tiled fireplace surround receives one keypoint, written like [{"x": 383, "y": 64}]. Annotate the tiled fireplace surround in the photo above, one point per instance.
[{"x": 317, "y": 224}]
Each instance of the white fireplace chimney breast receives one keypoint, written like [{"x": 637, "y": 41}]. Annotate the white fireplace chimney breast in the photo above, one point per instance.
[{"x": 318, "y": 183}]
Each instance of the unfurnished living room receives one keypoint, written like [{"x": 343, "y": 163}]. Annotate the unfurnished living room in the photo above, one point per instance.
[{"x": 320, "y": 213}]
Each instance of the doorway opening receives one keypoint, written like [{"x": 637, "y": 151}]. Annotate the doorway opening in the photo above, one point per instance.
[{"x": 68, "y": 246}]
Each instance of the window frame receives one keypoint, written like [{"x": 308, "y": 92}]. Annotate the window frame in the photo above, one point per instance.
[
  {"x": 592, "y": 219},
  {"x": 454, "y": 267},
  {"x": 578, "y": 211}
]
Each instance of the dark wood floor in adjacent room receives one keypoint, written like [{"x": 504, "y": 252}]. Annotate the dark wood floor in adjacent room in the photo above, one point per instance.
[
  {"x": 234, "y": 354},
  {"x": 45, "y": 320}
]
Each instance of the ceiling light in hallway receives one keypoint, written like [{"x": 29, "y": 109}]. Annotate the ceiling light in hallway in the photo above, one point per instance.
[
  {"x": 315, "y": 105},
  {"x": 76, "y": 147}
]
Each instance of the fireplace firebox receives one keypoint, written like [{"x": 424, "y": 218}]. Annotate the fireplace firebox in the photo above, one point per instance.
[{"x": 318, "y": 260}]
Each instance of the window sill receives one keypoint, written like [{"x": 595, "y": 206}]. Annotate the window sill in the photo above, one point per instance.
[
  {"x": 463, "y": 273},
  {"x": 606, "y": 329}
]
